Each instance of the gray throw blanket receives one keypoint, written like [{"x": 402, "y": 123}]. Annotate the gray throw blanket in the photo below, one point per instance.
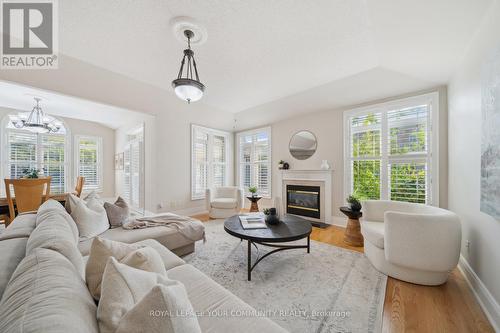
[{"x": 180, "y": 223}]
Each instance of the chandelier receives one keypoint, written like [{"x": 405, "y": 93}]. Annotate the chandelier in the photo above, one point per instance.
[
  {"x": 36, "y": 121},
  {"x": 188, "y": 87}
]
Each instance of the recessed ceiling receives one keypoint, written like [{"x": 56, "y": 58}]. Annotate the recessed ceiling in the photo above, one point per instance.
[{"x": 262, "y": 51}]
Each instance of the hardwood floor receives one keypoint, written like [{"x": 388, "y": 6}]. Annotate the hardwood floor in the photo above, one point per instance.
[{"x": 412, "y": 308}]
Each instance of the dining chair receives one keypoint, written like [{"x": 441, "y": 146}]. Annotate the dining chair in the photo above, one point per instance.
[
  {"x": 80, "y": 181},
  {"x": 28, "y": 194}
]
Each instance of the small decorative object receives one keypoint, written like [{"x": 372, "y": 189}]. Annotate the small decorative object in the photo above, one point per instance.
[
  {"x": 354, "y": 203},
  {"x": 286, "y": 166},
  {"x": 272, "y": 217},
  {"x": 281, "y": 164},
  {"x": 324, "y": 165},
  {"x": 253, "y": 190},
  {"x": 31, "y": 173},
  {"x": 266, "y": 211}
]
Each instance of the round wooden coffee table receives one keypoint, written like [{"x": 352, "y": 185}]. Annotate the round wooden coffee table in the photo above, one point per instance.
[
  {"x": 352, "y": 234},
  {"x": 291, "y": 228}
]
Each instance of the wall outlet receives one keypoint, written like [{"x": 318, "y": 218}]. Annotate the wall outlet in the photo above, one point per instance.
[{"x": 467, "y": 245}]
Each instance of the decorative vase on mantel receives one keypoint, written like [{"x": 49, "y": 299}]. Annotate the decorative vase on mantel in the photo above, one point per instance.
[{"x": 325, "y": 165}]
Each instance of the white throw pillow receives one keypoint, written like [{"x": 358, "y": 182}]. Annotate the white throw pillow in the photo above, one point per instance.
[
  {"x": 135, "y": 255},
  {"x": 90, "y": 216},
  {"x": 130, "y": 297}
]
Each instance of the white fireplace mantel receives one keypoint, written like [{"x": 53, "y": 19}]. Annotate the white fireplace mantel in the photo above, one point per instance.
[{"x": 307, "y": 177}]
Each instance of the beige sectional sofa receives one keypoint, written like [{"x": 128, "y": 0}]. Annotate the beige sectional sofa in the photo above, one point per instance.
[{"x": 43, "y": 289}]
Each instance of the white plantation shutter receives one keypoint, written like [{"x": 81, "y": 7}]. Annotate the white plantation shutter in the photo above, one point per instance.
[
  {"x": 89, "y": 161},
  {"x": 254, "y": 160},
  {"x": 133, "y": 170},
  {"x": 389, "y": 151},
  {"x": 209, "y": 160},
  {"x": 45, "y": 152},
  {"x": 53, "y": 161},
  {"x": 22, "y": 153}
]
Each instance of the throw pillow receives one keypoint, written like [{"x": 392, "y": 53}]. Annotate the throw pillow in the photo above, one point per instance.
[
  {"x": 117, "y": 213},
  {"x": 129, "y": 295},
  {"x": 102, "y": 249},
  {"x": 90, "y": 216}
]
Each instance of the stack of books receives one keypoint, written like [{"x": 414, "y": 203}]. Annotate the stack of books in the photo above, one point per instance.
[{"x": 253, "y": 221}]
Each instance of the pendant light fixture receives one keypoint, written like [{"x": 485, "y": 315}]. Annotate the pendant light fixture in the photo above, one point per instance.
[
  {"x": 37, "y": 121},
  {"x": 187, "y": 86}
]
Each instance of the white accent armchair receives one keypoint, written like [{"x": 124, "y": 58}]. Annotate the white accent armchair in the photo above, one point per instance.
[
  {"x": 411, "y": 242},
  {"x": 223, "y": 202}
]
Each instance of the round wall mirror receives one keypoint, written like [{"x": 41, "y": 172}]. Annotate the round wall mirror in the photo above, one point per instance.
[{"x": 303, "y": 145}]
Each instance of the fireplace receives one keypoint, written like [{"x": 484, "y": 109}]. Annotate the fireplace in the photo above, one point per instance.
[{"x": 303, "y": 200}]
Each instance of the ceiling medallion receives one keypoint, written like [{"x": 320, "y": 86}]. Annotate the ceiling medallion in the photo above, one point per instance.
[{"x": 187, "y": 86}]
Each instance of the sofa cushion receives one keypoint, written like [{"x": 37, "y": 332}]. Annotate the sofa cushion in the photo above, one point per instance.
[
  {"x": 207, "y": 296},
  {"x": 170, "y": 259},
  {"x": 45, "y": 294},
  {"x": 89, "y": 215},
  {"x": 12, "y": 251},
  {"x": 373, "y": 232},
  {"x": 123, "y": 287},
  {"x": 167, "y": 236},
  {"x": 100, "y": 252},
  {"x": 225, "y": 203},
  {"x": 118, "y": 212},
  {"x": 146, "y": 259},
  {"x": 56, "y": 231},
  {"x": 20, "y": 227},
  {"x": 165, "y": 299}
]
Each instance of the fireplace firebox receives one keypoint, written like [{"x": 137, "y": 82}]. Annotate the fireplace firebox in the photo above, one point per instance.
[{"x": 303, "y": 200}]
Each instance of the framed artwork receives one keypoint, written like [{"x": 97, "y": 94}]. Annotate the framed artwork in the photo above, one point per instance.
[
  {"x": 490, "y": 140},
  {"x": 119, "y": 161}
]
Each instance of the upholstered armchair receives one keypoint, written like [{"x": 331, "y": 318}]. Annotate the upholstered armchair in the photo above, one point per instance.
[
  {"x": 411, "y": 242},
  {"x": 223, "y": 202}
]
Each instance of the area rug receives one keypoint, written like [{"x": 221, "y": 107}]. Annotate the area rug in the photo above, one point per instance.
[{"x": 328, "y": 290}]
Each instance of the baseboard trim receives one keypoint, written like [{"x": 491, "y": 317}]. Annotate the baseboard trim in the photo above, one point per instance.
[
  {"x": 190, "y": 211},
  {"x": 482, "y": 294},
  {"x": 339, "y": 221}
]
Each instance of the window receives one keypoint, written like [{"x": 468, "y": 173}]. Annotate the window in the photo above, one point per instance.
[
  {"x": 88, "y": 152},
  {"x": 391, "y": 151},
  {"x": 209, "y": 160},
  {"x": 254, "y": 160},
  {"x": 27, "y": 150},
  {"x": 133, "y": 168}
]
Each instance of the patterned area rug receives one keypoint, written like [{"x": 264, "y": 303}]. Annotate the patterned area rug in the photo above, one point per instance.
[{"x": 329, "y": 290}]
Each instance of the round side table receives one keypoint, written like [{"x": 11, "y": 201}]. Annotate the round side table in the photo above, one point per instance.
[
  {"x": 352, "y": 234},
  {"x": 254, "y": 207}
]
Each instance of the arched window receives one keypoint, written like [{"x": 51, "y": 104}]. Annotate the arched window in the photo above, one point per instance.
[{"x": 46, "y": 152}]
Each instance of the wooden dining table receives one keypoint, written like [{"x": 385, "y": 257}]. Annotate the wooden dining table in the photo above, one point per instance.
[{"x": 4, "y": 205}]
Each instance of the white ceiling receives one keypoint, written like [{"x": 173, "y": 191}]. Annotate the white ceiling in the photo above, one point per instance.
[
  {"x": 20, "y": 97},
  {"x": 262, "y": 51}
]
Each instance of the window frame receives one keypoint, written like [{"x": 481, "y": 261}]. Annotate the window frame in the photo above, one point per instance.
[
  {"x": 211, "y": 132},
  {"x": 431, "y": 157},
  {"x": 268, "y": 131},
  {"x": 77, "y": 138},
  {"x": 5, "y": 151}
]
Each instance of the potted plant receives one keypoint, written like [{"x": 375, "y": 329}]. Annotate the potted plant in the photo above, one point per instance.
[
  {"x": 253, "y": 190},
  {"x": 281, "y": 164},
  {"x": 31, "y": 173},
  {"x": 354, "y": 203}
]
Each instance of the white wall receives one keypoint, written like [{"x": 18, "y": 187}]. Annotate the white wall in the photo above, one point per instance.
[
  {"x": 82, "y": 127},
  {"x": 481, "y": 230},
  {"x": 327, "y": 126}
]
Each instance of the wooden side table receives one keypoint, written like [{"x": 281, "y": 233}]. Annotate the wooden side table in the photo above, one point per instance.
[
  {"x": 254, "y": 207},
  {"x": 352, "y": 234}
]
